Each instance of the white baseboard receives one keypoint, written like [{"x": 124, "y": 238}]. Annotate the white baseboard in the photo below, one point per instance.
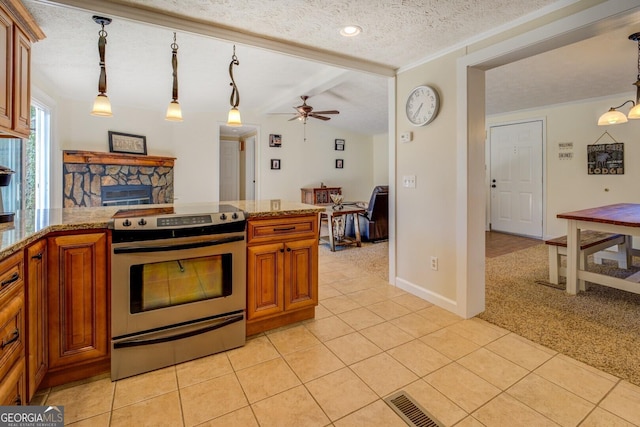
[{"x": 427, "y": 295}]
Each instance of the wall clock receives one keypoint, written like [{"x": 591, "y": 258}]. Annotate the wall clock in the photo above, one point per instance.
[{"x": 423, "y": 104}]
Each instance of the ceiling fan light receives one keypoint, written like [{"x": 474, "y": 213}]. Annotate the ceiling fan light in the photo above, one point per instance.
[
  {"x": 634, "y": 113},
  {"x": 612, "y": 117},
  {"x": 101, "y": 106},
  {"x": 234, "y": 118},
  {"x": 174, "y": 113}
]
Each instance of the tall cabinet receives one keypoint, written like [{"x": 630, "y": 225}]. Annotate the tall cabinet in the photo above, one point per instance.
[{"x": 18, "y": 30}]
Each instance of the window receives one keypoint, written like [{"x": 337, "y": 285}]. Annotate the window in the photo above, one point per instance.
[{"x": 29, "y": 159}]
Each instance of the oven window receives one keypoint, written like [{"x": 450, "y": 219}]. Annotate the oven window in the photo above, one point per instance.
[{"x": 170, "y": 283}]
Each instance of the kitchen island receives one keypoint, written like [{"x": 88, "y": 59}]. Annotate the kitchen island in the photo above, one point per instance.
[{"x": 56, "y": 267}]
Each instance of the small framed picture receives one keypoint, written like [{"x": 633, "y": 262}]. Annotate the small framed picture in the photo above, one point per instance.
[
  {"x": 339, "y": 144},
  {"x": 127, "y": 143},
  {"x": 275, "y": 164},
  {"x": 339, "y": 163},
  {"x": 275, "y": 140}
]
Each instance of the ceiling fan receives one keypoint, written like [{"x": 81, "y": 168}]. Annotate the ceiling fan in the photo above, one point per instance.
[{"x": 305, "y": 111}]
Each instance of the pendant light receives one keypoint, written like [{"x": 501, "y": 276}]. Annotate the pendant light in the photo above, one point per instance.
[
  {"x": 174, "y": 113},
  {"x": 614, "y": 117},
  {"x": 234, "y": 100},
  {"x": 101, "y": 105}
]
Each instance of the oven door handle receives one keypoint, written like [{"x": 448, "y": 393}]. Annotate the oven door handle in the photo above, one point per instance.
[
  {"x": 162, "y": 337},
  {"x": 179, "y": 247}
]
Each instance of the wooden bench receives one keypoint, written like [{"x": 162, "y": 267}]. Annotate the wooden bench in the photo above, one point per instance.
[{"x": 591, "y": 242}]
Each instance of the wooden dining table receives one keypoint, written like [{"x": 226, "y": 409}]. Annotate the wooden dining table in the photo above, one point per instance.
[{"x": 621, "y": 218}]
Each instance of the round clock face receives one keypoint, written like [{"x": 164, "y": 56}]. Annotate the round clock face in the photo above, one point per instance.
[{"x": 422, "y": 105}]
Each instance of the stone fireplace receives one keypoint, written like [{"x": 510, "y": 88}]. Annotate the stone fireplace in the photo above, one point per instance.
[{"x": 87, "y": 176}]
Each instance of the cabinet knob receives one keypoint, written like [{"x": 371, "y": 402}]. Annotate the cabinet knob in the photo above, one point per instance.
[
  {"x": 288, "y": 249},
  {"x": 37, "y": 256}
]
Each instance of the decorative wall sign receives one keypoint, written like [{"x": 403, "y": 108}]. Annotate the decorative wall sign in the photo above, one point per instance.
[
  {"x": 605, "y": 159},
  {"x": 275, "y": 164},
  {"x": 127, "y": 143},
  {"x": 339, "y": 144},
  {"x": 275, "y": 140},
  {"x": 339, "y": 163}
]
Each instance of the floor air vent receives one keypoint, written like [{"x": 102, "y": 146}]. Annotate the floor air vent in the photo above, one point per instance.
[{"x": 410, "y": 411}]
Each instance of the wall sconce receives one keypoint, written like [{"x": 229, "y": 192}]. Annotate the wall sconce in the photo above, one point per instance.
[
  {"x": 613, "y": 117},
  {"x": 102, "y": 106},
  {"x": 234, "y": 100},
  {"x": 174, "y": 113}
]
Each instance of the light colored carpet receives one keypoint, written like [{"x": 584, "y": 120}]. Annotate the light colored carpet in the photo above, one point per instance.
[
  {"x": 371, "y": 257},
  {"x": 600, "y": 327}
]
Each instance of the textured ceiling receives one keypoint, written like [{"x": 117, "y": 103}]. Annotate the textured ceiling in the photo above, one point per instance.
[{"x": 396, "y": 33}]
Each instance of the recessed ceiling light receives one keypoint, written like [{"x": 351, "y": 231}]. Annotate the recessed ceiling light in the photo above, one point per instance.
[{"x": 351, "y": 30}]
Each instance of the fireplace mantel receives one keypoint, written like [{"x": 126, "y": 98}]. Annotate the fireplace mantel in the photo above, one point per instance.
[{"x": 98, "y": 158}]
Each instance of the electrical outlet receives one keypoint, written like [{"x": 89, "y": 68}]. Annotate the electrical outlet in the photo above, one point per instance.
[
  {"x": 434, "y": 263},
  {"x": 409, "y": 181}
]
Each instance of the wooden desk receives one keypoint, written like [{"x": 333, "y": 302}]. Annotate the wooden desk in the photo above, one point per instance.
[
  {"x": 622, "y": 218},
  {"x": 319, "y": 195},
  {"x": 330, "y": 215}
]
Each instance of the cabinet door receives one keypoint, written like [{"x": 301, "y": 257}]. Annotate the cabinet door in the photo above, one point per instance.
[
  {"x": 21, "y": 84},
  {"x": 13, "y": 386},
  {"x": 37, "y": 346},
  {"x": 6, "y": 65},
  {"x": 300, "y": 274},
  {"x": 264, "y": 280},
  {"x": 78, "y": 299}
]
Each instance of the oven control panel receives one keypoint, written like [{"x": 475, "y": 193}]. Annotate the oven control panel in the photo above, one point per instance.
[{"x": 165, "y": 222}]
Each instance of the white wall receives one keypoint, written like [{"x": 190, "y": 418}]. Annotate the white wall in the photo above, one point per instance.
[
  {"x": 568, "y": 186},
  {"x": 425, "y": 220},
  {"x": 308, "y": 163},
  {"x": 381, "y": 159}
]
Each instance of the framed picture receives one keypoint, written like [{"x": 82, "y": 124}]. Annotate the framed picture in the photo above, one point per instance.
[
  {"x": 275, "y": 164},
  {"x": 339, "y": 144},
  {"x": 127, "y": 143},
  {"x": 339, "y": 163},
  {"x": 275, "y": 140}
]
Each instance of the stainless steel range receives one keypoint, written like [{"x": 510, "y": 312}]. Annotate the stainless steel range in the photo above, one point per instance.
[{"x": 178, "y": 285}]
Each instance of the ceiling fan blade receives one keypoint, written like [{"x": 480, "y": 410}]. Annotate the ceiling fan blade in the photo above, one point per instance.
[
  {"x": 315, "y": 116},
  {"x": 295, "y": 117},
  {"x": 327, "y": 112}
]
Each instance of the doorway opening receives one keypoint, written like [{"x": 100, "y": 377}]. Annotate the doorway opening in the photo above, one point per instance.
[{"x": 238, "y": 150}]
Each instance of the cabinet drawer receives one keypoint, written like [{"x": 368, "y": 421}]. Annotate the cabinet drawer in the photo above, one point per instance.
[
  {"x": 11, "y": 273},
  {"x": 11, "y": 329},
  {"x": 13, "y": 385},
  {"x": 277, "y": 230}
]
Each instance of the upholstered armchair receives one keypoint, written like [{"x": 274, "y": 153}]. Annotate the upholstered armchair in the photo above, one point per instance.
[{"x": 374, "y": 223}]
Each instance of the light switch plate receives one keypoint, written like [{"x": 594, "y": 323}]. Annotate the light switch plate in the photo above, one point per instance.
[{"x": 409, "y": 181}]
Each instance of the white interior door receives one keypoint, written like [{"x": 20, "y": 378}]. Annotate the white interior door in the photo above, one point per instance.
[
  {"x": 229, "y": 174},
  {"x": 516, "y": 178}
]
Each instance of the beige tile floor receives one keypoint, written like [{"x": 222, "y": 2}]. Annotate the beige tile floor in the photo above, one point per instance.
[{"x": 368, "y": 340}]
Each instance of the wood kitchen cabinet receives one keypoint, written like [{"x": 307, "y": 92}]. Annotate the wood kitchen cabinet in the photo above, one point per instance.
[
  {"x": 12, "y": 331},
  {"x": 78, "y": 305},
  {"x": 282, "y": 271},
  {"x": 17, "y": 31},
  {"x": 37, "y": 315}
]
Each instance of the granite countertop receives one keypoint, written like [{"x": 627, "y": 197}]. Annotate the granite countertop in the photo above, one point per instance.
[{"x": 29, "y": 226}]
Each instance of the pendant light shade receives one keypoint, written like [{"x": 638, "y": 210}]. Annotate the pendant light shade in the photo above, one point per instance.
[
  {"x": 234, "y": 100},
  {"x": 174, "y": 113},
  {"x": 613, "y": 117},
  {"x": 101, "y": 105}
]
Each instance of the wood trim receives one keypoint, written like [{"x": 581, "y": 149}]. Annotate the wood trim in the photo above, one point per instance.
[
  {"x": 24, "y": 20},
  {"x": 94, "y": 157}
]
